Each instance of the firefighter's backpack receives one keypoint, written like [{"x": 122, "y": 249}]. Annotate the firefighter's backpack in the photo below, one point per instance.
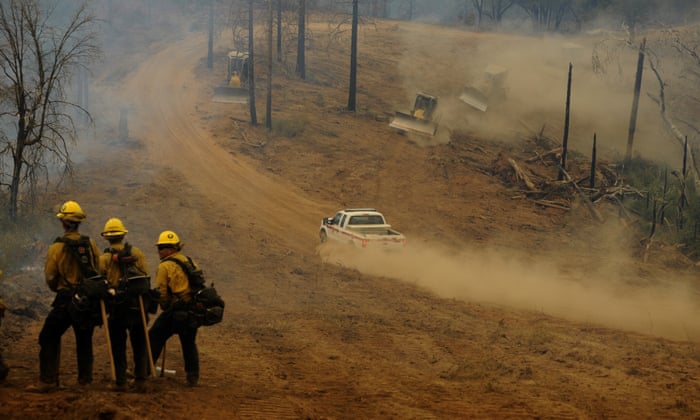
[
  {"x": 90, "y": 283},
  {"x": 207, "y": 307}
]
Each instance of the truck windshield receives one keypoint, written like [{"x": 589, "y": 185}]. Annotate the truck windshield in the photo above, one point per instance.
[{"x": 372, "y": 219}]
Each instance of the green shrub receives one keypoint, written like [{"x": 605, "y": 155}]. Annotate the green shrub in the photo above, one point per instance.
[{"x": 659, "y": 205}]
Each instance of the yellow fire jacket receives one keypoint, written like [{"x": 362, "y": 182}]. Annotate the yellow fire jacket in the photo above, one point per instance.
[
  {"x": 61, "y": 271},
  {"x": 172, "y": 281},
  {"x": 110, "y": 267}
]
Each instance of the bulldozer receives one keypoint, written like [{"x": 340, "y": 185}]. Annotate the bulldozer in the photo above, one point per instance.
[
  {"x": 489, "y": 90},
  {"x": 420, "y": 119},
  {"x": 235, "y": 88}
]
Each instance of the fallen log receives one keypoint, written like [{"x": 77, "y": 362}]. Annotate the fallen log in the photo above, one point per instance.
[
  {"x": 553, "y": 204},
  {"x": 540, "y": 157},
  {"x": 522, "y": 176},
  {"x": 583, "y": 196}
]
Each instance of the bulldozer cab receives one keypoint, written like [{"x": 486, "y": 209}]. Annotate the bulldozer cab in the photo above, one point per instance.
[
  {"x": 420, "y": 119},
  {"x": 235, "y": 88},
  {"x": 238, "y": 66},
  {"x": 424, "y": 106}
]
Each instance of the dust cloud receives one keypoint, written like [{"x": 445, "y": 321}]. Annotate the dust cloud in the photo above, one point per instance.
[
  {"x": 535, "y": 87},
  {"x": 511, "y": 279}
]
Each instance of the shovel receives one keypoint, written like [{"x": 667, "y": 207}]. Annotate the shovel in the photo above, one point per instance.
[
  {"x": 148, "y": 340},
  {"x": 109, "y": 342}
]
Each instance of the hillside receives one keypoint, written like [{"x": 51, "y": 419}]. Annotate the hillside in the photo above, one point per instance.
[{"x": 498, "y": 307}]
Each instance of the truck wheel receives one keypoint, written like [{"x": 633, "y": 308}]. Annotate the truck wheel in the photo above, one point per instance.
[{"x": 324, "y": 236}]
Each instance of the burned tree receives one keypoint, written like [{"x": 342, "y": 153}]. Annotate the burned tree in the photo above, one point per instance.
[
  {"x": 353, "y": 59},
  {"x": 268, "y": 105},
  {"x": 301, "y": 38},
  {"x": 251, "y": 66},
  {"x": 41, "y": 47}
]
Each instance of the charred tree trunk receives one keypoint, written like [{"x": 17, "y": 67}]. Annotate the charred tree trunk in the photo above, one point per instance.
[
  {"x": 86, "y": 96},
  {"x": 210, "y": 45},
  {"x": 301, "y": 41},
  {"x": 268, "y": 107},
  {"x": 353, "y": 59},
  {"x": 565, "y": 140},
  {"x": 683, "y": 198},
  {"x": 16, "y": 175},
  {"x": 593, "y": 161},
  {"x": 635, "y": 102},
  {"x": 279, "y": 30},
  {"x": 251, "y": 66}
]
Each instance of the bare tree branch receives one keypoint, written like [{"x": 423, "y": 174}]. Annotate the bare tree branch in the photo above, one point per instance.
[{"x": 42, "y": 43}]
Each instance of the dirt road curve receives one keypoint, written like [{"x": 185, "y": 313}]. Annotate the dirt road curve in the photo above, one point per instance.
[{"x": 164, "y": 94}]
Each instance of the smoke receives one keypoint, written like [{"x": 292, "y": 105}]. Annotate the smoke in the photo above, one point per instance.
[
  {"x": 506, "y": 277},
  {"x": 443, "y": 62}
]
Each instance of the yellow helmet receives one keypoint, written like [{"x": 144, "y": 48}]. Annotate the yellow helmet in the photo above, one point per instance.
[
  {"x": 168, "y": 237},
  {"x": 71, "y": 211},
  {"x": 114, "y": 227}
]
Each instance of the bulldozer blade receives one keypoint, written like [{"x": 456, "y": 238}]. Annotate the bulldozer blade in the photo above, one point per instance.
[
  {"x": 230, "y": 95},
  {"x": 473, "y": 97},
  {"x": 405, "y": 123}
]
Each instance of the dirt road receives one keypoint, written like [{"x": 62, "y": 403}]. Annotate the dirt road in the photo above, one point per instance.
[{"x": 166, "y": 120}]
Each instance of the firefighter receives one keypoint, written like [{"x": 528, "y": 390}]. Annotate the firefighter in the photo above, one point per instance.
[
  {"x": 235, "y": 81},
  {"x": 124, "y": 266},
  {"x": 69, "y": 260},
  {"x": 175, "y": 296}
]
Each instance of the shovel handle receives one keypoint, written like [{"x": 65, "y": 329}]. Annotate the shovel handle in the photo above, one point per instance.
[
  {"x": 148, "y": 340},
  {"x": 162, "y": 361},
  {"x": 109, "y": 342}
]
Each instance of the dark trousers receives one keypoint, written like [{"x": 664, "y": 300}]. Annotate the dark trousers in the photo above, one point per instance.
[
  {"x": 164, "y": 327},
  {"x": 57, "y": 322},
  {"x": 4, "y": 370},
  {"x": 118, "y": 330}
]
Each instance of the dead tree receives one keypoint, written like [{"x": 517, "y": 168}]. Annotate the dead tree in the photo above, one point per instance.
[
  {"x": 210, "y": 44},
  {"x": 565, "y": 141},
  {"x": 268, "y": 107},
  {"x": 279, "y": 30},
  {"x": 593, "y": 161},
  {"x": 37, "y": 58},
  {"x": 301, "y": 41},
  {"x": 353, "y": 59},
  {"x": 251, "y": 66},
  {"x": 635, "y": 102}
]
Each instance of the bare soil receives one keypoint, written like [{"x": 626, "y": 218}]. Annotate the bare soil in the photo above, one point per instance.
[{"x": 497, "y": 308}]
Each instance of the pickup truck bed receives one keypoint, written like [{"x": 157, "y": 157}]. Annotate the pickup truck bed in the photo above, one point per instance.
[{"x": 373, "y": 230}]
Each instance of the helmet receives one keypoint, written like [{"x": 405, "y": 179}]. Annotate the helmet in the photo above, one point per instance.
[
  {"x": 71, "y": 211},
  {"x": 114, "y": 227},
  {"x": 168, "y": 237}
]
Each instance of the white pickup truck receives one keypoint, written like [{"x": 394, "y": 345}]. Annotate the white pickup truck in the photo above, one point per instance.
[{"x": 364, "y": 228}]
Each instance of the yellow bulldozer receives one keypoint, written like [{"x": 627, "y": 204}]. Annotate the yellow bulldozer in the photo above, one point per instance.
[
  {"x": 235, "y": 88},
  {"x": 420, "y": 119},
  {"x": 488, "y": 90}
]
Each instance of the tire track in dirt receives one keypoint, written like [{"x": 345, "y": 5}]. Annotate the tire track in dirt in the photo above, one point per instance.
[{"x": 163, "y": 90}]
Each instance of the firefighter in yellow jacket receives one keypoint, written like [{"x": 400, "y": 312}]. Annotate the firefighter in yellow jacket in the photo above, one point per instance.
[
  {"x": 124, "y": 266},
  {"x": 175, "y": 296},
  {"x": 71, "y": 259}
]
